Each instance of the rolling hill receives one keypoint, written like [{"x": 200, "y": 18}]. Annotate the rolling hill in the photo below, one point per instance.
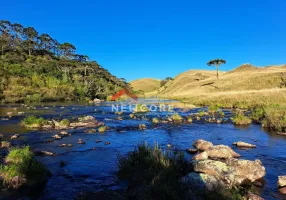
[{"x": 148, "y": 85}]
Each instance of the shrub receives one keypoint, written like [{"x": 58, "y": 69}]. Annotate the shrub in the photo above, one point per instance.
[
  {"x": 275, "y": 118},
  {"x": 142, "y": 126},
  {"x": 155, "y": 120},
  {"x": 213, "y": 108},
  {"x": 177, "y": 118},
  {"x": 21, "y": 163},
  {"x": 102, "y": 129},
  {"x": 201, "y": 113},
  {"x": 258, "y": 113},
  {"x": 241, "y": 119},
  {"x": 65, "y": 123},
  {"x": 132, "y": 116},
  {"x": 158, "y": 172},
  {"x": 33, "y": 122}
]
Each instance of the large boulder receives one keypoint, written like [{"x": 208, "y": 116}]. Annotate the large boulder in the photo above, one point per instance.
[
  {"x": 202, "y": 145},
  {"x": 232, "y": 171},
  {"x": 221, "y": 151},
  {"x": 246, "y": 170},
  {"x": 200, "y": 181},
  {"x": 211, "y": 167},
  {"x": 281, "y": 181},
  {"x": 218, "y": 151}
]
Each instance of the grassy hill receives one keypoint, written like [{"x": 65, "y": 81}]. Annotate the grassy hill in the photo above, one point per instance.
[
  {"x": 245, "y": 83},
  {"x": 148, "y": 85}
]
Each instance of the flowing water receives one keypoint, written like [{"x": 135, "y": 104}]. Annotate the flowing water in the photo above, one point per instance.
[{"x": 92, "y": 166}]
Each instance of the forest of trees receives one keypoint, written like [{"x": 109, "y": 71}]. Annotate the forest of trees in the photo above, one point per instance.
[{"x": 36, "y": 67}]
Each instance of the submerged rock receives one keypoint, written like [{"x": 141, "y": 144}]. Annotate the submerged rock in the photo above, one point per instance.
[
  {"x": 64, "y": 133},
  {"x": 202, "y": 145},
  {"x": 65, "y": 145},
  {"x": 80, "y": 141},
  {"x": 244, "y": 145},
  {"x": 57, "y": 137},
  {"x": 15, "y": 136},
  {"x": 44, "y": 153},
  {"x": 191, "y": 151}
]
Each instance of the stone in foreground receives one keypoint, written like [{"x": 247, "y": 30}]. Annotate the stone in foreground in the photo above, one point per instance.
[
  {"x": 244, "y": 145},
  {"x": 202, "y": 145}
]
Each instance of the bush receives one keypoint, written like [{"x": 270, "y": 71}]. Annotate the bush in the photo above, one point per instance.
[
  {"x": 213, "y": 108},
  {"x": 154, "y": 170},
  {"x": 33, "y": 122},
  {"x": 142, "y": 126},
  {"x": 177, "y": 118},
  {"x": 102, "y": 129},
  {"x": 258, "y": 114},
  {"x": 155, "y": 120},
  {"x": 241, "y": 119},
  {"x": 65, "y": 123},
  {"x": 275, "y": 118},
  {"x": 21, "y": 163}
]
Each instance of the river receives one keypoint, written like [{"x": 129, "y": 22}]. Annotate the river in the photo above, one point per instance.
[{"x": 92, "y": 166}]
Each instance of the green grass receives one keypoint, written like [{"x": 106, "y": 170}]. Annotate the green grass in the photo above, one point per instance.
[
  {"x": 17, "y": 155},
  {"x": 21, "y": 162},
  {"x": 156, "y": 174},
  {"x": 155, "y": 170},
  {"x": 102, "y": 129},
  {"x": 177, "y": 118},
  {"x": 155, "y": 120},
  {"x": 33, "y": 121},
  {"x": 213, "y": 108},
  {"x": 258, "y": 113},
  {"x": 241, "y": 119},
  {"x": 65, "y": 122},
  {"x": 275, "y": 118}
]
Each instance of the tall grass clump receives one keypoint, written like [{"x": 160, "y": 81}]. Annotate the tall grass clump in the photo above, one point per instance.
[
  {"x": 258, "y": 114},
  {"x": 241, "y": 119},
  {"x": 156, "y": 171},
  {"x": 275, "y": 118},
  {"x": 177, "y": 118},
  {"x": 21, "y": 163},
  {"x": 33, "y": 122}
]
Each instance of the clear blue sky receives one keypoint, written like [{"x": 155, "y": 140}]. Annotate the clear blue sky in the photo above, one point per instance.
[{"x": 160, "y": 38}]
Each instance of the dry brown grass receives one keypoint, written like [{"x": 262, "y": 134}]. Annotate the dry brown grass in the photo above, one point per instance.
[
  {"x": 146, "y": 84},
  {"x": 247, "y": 83}
]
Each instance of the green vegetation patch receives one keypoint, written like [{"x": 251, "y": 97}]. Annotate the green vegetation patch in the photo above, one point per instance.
[
  {"x": 241, "y": 119},
  {"x": 21, "y": 163},
  {"x": 33, "y": 122}
]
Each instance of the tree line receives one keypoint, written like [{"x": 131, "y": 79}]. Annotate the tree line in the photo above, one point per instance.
[{"x": 36, "y": 67}]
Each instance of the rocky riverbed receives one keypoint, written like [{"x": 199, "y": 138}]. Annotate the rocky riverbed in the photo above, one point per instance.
[{"x": 83, "y": 158}]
